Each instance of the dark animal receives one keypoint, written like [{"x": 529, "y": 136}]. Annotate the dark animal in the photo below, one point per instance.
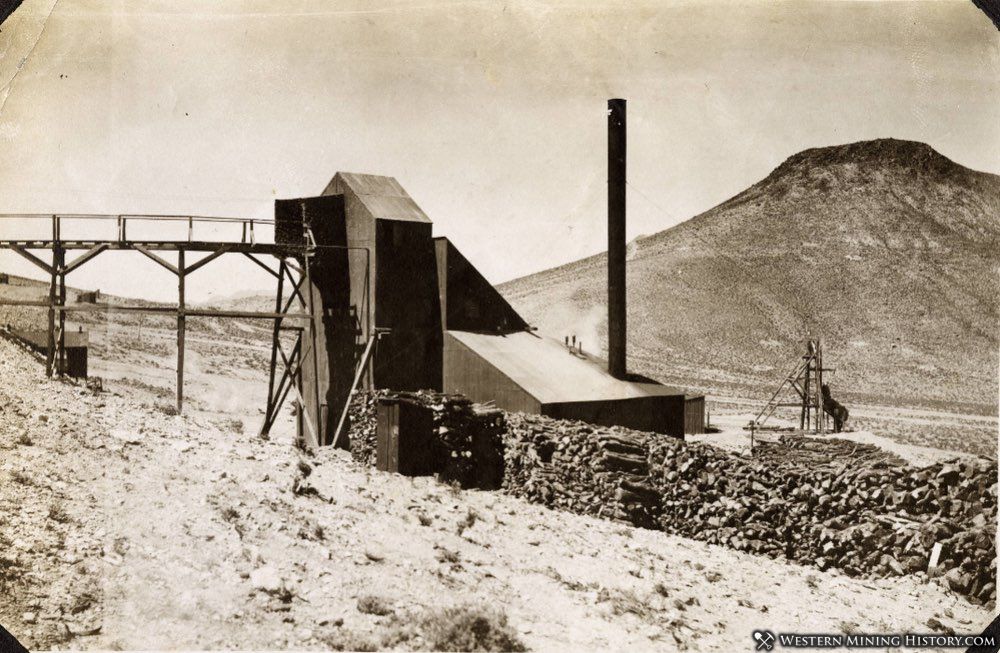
[{"x": 834, "y": 409}]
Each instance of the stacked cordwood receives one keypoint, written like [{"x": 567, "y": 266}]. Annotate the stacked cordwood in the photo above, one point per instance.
[
  {"x": 826, "y": 502},
  {"x": 864, "y": 520},
  {"x": 586, "y": 469},
  {"x": 465, "y": 438},
  {"x": 362, "y": 425}
]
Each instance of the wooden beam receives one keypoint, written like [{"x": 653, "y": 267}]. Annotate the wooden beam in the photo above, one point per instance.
[
  {"x": 357, "y": 378},
  {"x": 180, "y": 332},
  {"x": 61, "y": 346},
  {"x": 296, "y": 287},
  {"x": 83, "y": 258},
  {"x": 50, "y": 354},
  {"x": 275, "y": 336},
  {"x": 171, "y": 310},
  {"x": 287, "y": 378},
  {"x": 153, "y": 257},
  {"x": 262, "y": 264},
  {"x": 314, "y": 443},
  {"x": 284, "y": 358},
  {"x": 114, "y": 308},
  {"x": 211, "y": 257},
  {"x": 247, "y": 315},
  {"x": 314, "y": 352},
  {"x": 23, "y": 302},
  {"x": 303, "y": 409},
  {"x": 31, "y": 257}
]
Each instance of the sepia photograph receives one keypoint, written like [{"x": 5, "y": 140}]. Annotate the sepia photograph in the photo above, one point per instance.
[{"x": 499, "y": 325}]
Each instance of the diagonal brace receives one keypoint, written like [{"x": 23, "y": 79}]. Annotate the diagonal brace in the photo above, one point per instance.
[
  {"x": 211, "y": 257},
  {"x": 262, "y": 264},
  {"x": 145, "y": 252},
  {"x": 31, "y": 257},
  {"x": 83, "y": 258}
]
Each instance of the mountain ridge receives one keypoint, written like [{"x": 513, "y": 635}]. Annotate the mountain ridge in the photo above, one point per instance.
[{"x": 886, "y": 248}]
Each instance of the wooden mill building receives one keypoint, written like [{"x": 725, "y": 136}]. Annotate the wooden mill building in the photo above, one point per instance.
[{"x": 378, "y": 269}]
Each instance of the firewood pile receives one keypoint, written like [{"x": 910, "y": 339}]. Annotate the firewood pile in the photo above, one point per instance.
[
  {"x": 831, "y": 503},
  {"x": 467, "y": 446},
  {"x": 822, "y": 502},
  {"x": 802, "y": 454},
  {"x": 465, "y": 439},
  {"x": 874, "y": 518},
  {"x": 574, "y": 466},
  {"x": 362, "y": 424}
]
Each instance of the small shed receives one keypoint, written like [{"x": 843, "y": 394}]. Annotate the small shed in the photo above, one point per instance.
[{"x": 76, "y": 342}]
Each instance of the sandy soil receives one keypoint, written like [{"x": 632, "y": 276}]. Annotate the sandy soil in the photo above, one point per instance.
[{"x": 128, "y": 528}]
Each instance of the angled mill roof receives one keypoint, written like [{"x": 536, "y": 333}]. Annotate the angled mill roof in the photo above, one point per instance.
[
  {"x": 383, "y": 197},
  {"x": 40, "y": 338},
  {"x": 545, "y": 369}
]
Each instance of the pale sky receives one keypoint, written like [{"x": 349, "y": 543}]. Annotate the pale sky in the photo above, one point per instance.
[{"x": 490, "y": 114}]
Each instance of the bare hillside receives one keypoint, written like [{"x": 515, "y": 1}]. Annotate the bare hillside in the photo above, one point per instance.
[{"x": 886, "y": 249}]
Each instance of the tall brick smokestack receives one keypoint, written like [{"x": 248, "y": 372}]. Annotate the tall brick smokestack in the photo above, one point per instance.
[{"x": 616, "y": 238}]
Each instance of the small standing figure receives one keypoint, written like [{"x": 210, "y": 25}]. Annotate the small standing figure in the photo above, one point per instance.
[{"x": 834, "y": 409}]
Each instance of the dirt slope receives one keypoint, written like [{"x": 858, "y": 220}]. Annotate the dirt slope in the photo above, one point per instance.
[
  {"x": 885, "y": 248},
  {"x": 124, "y": 528}
]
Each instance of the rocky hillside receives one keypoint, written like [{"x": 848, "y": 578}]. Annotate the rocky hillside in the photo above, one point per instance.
[{"x": 886, "y": 249}]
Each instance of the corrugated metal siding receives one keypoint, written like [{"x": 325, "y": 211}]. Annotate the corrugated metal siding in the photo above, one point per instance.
[{"x": 550, "y": 373}]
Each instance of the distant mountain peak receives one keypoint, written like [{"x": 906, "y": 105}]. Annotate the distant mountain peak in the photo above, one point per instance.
[
  {"x": 885, "y": 242},
  {"x": 882, "y": 152}
]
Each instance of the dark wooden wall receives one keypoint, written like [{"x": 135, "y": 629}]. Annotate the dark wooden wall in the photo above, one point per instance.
[
  {"x": 467, "y": 373},
  {"x": 658, "y": 414},
  {"x": 468, "y": 301},
  {"x": 694, "y": 415},
  {"x": 406, "y": 301}
]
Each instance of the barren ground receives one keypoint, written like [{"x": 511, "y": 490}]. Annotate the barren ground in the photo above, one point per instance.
[{"x": 126, "y": 527}]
